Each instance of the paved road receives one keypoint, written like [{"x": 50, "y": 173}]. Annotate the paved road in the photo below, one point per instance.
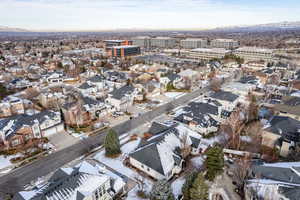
[{"x": 14, "y": 181}]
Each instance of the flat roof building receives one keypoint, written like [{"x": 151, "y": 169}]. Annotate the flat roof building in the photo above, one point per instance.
[
  {"x": 125, "y": 51},
  {"x": 208, "y": 54},
  {"x": 224, "y": 43},
  {"x": 163, "y": 42},
  {"x": 142, "y": 41},
  {"x": 193, "y": 43},
  {"x": 254, "y": 53}
]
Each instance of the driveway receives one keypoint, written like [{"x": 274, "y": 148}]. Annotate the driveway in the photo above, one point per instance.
[{"x": 62, "y": 140}]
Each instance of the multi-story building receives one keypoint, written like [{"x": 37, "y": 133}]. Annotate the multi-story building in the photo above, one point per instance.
[
  {"x": 124, "y": 51},
  {"x": 142, "y": 41},
  {"x": 108, "y": 44},
  {"x": 163, "y": 42},
  {"x": 224, "y": 43},
  {"x": 253, "y": 53},
  {"x": 207, "y": 54},
  {"x": 193, "y": 43}
]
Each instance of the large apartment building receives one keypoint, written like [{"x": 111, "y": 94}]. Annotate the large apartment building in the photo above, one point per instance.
[
  {"x": 142, "y": 41},
  {"x": 207, "y": 54},
  {"x": 193, "y": 43},
  {"x": 163, "y": 42},
  {"x": 224, "y": 43},
  {"x": 254, "y": 54},
  {"x": 125, "y": 51}
]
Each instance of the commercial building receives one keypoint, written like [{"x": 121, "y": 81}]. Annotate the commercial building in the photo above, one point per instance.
[
  {"x": 142, "y": 41},
  {"x": 108, "y": 44},
  {"x": 254, "y": 54},
  {"x": 193, "y": 43},
  {"x": 224, "y": 43},
  {"x": 207, "y": 54},
  {"x": 163, "y": 42},
  {"x": 124, "y": 51}
]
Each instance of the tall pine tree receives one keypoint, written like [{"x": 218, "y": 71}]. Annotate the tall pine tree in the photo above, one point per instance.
[
  {"x": 112, "y": 144},
  {"x": 214, "y": 162},
  {"x": 161, "y": 190},
  {"x": 187, "y": 185},
  {"x": 199, "y": 189}
]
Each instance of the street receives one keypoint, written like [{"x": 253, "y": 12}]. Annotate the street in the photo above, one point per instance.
[{"x": 15, "y": 180}]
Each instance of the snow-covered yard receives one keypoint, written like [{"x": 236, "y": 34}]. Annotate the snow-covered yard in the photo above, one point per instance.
[
  {"x": 198, "y": 161},
  {"x": 117, "y": 163},
  {"x": 177, "y": 185},
  {"x": 174, "y": 95},
  {"x": 5, "y": 162}
]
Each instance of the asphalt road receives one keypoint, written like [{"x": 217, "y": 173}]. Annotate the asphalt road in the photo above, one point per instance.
[{"x": 17, "y": 179}]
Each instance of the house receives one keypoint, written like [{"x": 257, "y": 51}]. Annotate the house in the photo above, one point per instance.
[
  {"x": 281, "y": 132},
  {"x": 88, "y": 89},
  {"x": 96, "y": 108},
  {"x": 98, "y": 81},
  {"x": 123, "y": 97},
  {"x": 170, "y": 78},
  {"x": 75, "y": 114},
  {"x": 228, "y": 100},
  {"x": 18, "y": 129},
  {"x": 11, "y": 106},
  {"x": 199, "y": 116},
  {"x": 115, "y": 78},
  {"x": 274, "y": 181},
  {"x": 162, "y": 156},
  {"x": 85, "y": 181},
  {"x": 290, "y": 107}
]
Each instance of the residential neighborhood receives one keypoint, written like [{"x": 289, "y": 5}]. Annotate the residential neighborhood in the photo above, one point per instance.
[{"x": 148, "y": 116}]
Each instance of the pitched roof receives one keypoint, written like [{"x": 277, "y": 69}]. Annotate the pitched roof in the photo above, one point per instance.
[
  {"x": 121, "y": 92},
  {"x": 224, "y": 95},
  {"x": 68, "y": 183},
  {"x": 12, "y": 124},
  {"x": 287, "y": 127}
]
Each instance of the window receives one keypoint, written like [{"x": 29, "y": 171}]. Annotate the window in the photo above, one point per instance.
[
  {"x": 15, "y": 142},
  {"x": 142, "y": 166},
  {"x": 148, "y": 169}
]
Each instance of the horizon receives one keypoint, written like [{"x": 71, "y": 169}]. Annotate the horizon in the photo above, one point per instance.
[{"x": 88, "y": 15}]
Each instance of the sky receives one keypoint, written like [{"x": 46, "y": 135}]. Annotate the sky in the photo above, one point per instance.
[{"x": 68, "y": 15}]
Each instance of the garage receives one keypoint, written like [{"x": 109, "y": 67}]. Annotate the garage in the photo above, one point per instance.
[{"x": 53, "y": 130}]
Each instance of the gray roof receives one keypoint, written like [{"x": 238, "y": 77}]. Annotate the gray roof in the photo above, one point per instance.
[
  {"x": 97, "y": 78},
  {"x": 287, "y": 127},
  {"x": 23, "y": 119},
  {"x": 121, "y": 92},
  {"x": 149, "y": 156},
  {"x": 62, "y": 181},
  {"x": 85, "y": 86},
  {"x": 282, "y": 174},
  {"x": 199, "y": 112},
  {"x": 224, "y": 95}
]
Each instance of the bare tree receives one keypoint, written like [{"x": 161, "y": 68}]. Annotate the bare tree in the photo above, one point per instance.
[
  {"x": 241, "y": 172},
  {"x": 235, "y": 125},
  {"x": 141, "y": 185},
  {"x": 215, "y": 85},
  {"x": 185, "y": 146}
]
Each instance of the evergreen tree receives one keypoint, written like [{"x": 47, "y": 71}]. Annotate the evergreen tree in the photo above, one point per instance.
[
  {"x": 112, "y": 143},
  {"x": 187, "y": 185},
  {"x": 214, "y": 162},
  {"x": 161, "y": 190},
  {"x": 199, "y": 189}
]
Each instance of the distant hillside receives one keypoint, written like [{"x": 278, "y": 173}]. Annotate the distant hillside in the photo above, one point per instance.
[
  {"x": 9, "y": 29},
  {"x": 263, "y": 27}
]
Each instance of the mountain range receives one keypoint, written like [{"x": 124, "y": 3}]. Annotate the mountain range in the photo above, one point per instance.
[{"x": 260, "y": 27}]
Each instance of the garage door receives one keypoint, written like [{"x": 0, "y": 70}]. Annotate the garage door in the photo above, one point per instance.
[{"x": 53, "y": 130}]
